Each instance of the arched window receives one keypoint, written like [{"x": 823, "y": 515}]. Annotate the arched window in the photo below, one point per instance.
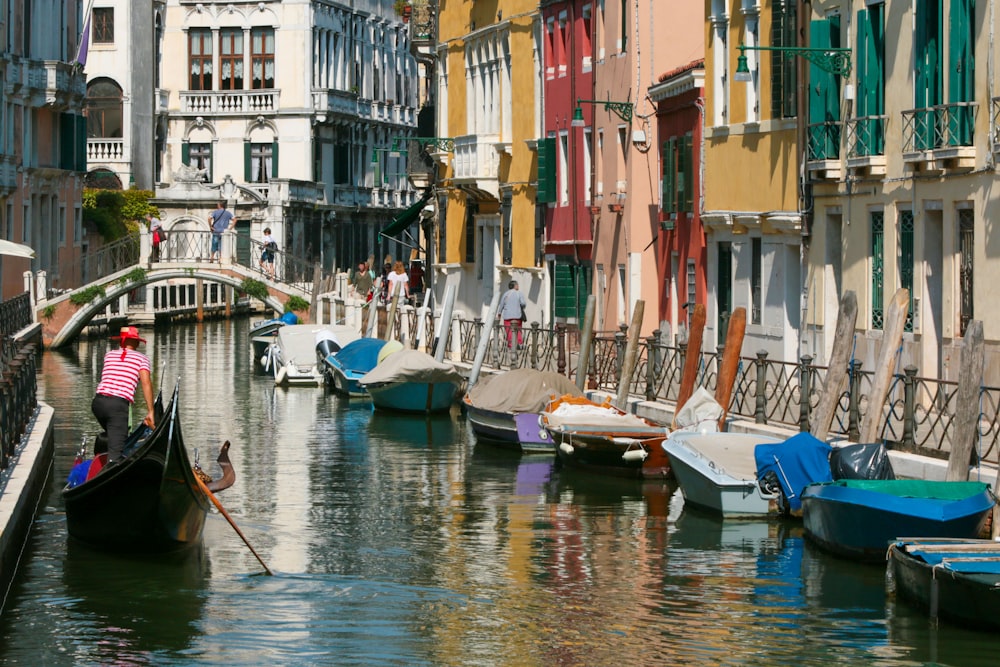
[{"x": 103, "y": 109}]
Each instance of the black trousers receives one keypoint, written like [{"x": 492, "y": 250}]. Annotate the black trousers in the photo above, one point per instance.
[{"x": 112, "y": 415}]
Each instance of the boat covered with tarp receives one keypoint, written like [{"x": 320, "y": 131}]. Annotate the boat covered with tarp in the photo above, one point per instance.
[{"x": 412, "y": 381}]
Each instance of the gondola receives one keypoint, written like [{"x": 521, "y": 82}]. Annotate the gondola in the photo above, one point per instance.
[{"x": 149, "y": 499}]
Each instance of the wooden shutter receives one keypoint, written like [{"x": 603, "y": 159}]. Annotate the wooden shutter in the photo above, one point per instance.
[
  {"x": 546, "y": 178},
  {"x": 247, "y": 171},
  {"x": 669, "y": 172},
  {"x": 274, "y": 159}
]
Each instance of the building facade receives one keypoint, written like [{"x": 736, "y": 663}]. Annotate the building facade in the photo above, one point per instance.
[{"x": 42, "y": 145}]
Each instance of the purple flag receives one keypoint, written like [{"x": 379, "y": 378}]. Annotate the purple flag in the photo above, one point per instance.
[{"x": 81, "y": 53}]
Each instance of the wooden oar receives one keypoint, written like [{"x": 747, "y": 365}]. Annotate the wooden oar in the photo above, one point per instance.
[
  {"x": 692, "y": 359},
  {"x": 222, "y": 510},
  {"x": 730, "y": 361}
]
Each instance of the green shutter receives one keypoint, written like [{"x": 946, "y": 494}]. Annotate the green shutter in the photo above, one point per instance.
[
  {"x": 870, "y": 139},
  {"x": 211, "y": 163},
  {"x": 669, "y": 175},
  {"x": 961, "y": 67},
  {"x": 688, "y": 149},
  {"x": 927, "y": 71},
  {"x": 906, "y": 264},
  {"x": 67, "y": 141},
  {"x": 186, "y": 153},
  {"x": 274, "y": 159},
  {"x": 565, "y": 290},
  {"x": 824, "y": 95},
  {"x": 247, "y": 172},
  {"x": 546, "y": 178}
]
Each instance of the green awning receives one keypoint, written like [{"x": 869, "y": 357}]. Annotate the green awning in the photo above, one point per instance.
[{"x": 406, "y": 218}]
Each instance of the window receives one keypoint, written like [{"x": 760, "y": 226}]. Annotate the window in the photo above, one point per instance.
[
  {"x": 550, "y": 44},
  {"x": 878, "y": 266},
  {"x": 262, "y": 58},
  {"x": 231, "y": 59},
  {"x": 588, "y": 148},
  {"x": 869, "y": 134},
  {"x": 261, "y": 166},
  {"x": 561, "y": 43},
  {"x": 928, "y": 75},
  {"x": 505, "y": 223},
  {"x": 906, "y": 261},
  {"x": 61, "y": 223},
  {"x": 783, "y": 65},
  {"x": 677, "y": 184},
  {"x": 104, "y": 25},
  {"x": 442, "y": 228},
  {"x": 470, "y": 233},
  {"x": 200, "y": 58},
  {"x": 692, "y": 286},
  {"x": 966, "y": 252},
  {"x": 621, "y": 293},
  {"x": 342, "y": 164},
  {"x": 77, "y": 224},
  {"x": 623, "y": 37},
  {"x": 563, "y": 168},
  {"x": 755, "y": 285},
  {"x": 199, "y": 156},
  {"x": 103, "y": 108},
  {"x": 961, "y": 70},
  {"x": 546, "y": 179},
  {"x": 586, "y": 47}
]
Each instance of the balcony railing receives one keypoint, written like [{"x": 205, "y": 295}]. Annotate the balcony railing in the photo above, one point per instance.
[
  {"x": 824, "y": 140},
  {"x": 866, "y": 136},
  {"x": 943, "y": 126},
  {"x": 995, "y": 109},
  {"x": 229, "y": 102},
  {"x": 8, "y": 173},
  {"x": 162, "y": 100},
  {"x": 105, "y": 151}
]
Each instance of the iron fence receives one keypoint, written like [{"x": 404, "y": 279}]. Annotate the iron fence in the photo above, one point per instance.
[
  {"x": 18, "y": 402},
  {"x": 15, "y": 314}
]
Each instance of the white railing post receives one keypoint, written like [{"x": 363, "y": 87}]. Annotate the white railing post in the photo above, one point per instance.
[
  {"x": 29, "y": 287},
  {"x": 41, "y": 286}
]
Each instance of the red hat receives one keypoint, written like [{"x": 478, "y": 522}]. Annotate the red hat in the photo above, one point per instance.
[{"x": 127, "y": 333}]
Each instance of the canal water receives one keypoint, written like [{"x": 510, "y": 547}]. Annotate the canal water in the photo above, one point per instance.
[{"x": 401, "y": 541}]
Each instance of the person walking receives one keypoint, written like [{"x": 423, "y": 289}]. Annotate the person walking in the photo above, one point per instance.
[
  {"x": 511, "y": 313},
  {"x": 363, "y": 281},
  {"x": 220, "y": 221},
  {"x": 158, "y": 237},
  {"x": 398, "y": 280},
  {"x": 269, "y": 247},
  {"x": 123, "y": 370}
]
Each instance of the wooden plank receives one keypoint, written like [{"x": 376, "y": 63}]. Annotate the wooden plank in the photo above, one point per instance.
[
  {"x": 586, "y": 342},
  {"x": 970, "y": 379},
  {"x": 692, "y": 359},
  {"x": 631, "y": 356},
  {"x": 837, "y": 369},
  {"x": 892, "y": 334},
  {"x": 730, "y": 362}
]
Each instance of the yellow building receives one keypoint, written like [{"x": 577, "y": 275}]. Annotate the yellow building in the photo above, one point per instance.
[{"x": 489, "y": 103}]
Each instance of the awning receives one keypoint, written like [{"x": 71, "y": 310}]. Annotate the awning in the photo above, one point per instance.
[
  {"x": 15, "y": 249},
  {"x": 407, "y": 217}
]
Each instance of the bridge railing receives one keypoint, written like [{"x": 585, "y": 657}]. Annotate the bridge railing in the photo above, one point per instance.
[
  {"x": 18, "y": 380},
  {"x": 101, "y": 263}
]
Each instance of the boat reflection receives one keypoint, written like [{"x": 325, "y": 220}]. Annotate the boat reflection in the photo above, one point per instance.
[
  {"x": 596, "y": 490},
  {"x": 418, "y": 430},
  {"x": 134, "y": 608}
]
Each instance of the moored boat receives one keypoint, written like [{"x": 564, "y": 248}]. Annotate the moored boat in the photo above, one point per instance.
[
  {"x": 858, "y": 518},
  {"x": 954, "y": 578},
  {"x": 294, "y": 356},
  {"x": 505, "y": 409},
  {"x": 345, "y": 368},
  {"x": 149, "y": 499},
  {"x": 262, "y": 334},
  {"x": 412, "y": 381},
  {"x": 603, "y": 438}
]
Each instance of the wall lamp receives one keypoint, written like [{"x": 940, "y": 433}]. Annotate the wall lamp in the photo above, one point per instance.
[
  {"x": 622, "y": 109},
  {"x": 440, "y": 144},
  {"x": 834, "y": 61}
]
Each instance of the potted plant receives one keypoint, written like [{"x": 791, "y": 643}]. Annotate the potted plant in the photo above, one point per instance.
[{"x": 403, "y": 8}]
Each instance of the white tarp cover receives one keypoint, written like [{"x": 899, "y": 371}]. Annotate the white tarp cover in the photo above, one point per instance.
[
  {"x": 596, "y": 418},
  {"x": 700, "y": 408},
  {"x": 411, "y": 366},
  {"x": 298, "y": 341},
  {"x": 520, "y": 390}
]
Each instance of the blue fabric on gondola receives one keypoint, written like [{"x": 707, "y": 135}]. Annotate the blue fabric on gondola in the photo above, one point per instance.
[
  {"x": 799, "y": 461},
  {"x": 360, "y": 355},
  {"x": 962, "y": 561},
  {"x": 78, "y": 475}
]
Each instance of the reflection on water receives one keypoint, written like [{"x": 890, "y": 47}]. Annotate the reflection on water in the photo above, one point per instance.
[{"x": 401, "y": 540}]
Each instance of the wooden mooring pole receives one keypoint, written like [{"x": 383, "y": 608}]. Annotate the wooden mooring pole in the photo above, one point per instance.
[{"x": 631, "y": 356}]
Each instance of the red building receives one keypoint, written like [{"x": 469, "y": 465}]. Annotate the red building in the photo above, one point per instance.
[
  {"x": 565, "y": 154},
  {"x": 681, "y": 253}
]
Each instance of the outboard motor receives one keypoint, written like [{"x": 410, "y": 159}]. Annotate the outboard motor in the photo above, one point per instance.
[{"x": 326, "y": 344}]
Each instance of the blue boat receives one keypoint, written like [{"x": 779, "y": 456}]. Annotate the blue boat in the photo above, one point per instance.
[
  {"x": 344, "y": 369},
  {"x": 859, "y": 518},
  {"x": 956, "y": 579},
  {"x": 412, "y": 381}
]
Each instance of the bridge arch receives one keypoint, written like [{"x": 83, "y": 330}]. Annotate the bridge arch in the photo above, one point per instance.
[{"x": 65, "y": 321}]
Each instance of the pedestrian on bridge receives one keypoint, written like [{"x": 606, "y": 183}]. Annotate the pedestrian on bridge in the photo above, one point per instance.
[
  {"x": 124, "y": 369},
  {"x": 156, "y": 230},
  {"x": 220, "y": 222}
]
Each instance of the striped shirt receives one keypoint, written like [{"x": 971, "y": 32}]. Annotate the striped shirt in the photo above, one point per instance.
[{"x": 120, "y": 375}]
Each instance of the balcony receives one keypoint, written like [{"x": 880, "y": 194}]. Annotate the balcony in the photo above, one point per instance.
[
  {"x": 8, "y": 174},
  {"x": 340, "y": 102},
  {"x": 477, "y": 164},
  {"x": 229, "y": 102},
  {"x": 866, "y": 145},
  {"x": 940, "y": 138},
  {"x": 162, "y": 101},
  {"x": 51, "y": 83},
  {"x": 105, "y": 152},
  {"x": 823, "y": 155},
  {"x": 287, "y": 190}
]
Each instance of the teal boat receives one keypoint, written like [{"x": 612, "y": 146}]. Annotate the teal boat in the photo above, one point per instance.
[
  {"x": 412, "y": 381},
  {"x": 859, "y": 518}
]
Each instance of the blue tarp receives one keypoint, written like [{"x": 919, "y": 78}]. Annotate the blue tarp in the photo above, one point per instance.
[
  {"x": 360, "y": 355},
  {"x": 980, "y": 562},
  {"x": 799, "y": 461}
]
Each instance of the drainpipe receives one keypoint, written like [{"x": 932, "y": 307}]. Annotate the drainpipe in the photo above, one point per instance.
[{"x": 805, "y": 203}]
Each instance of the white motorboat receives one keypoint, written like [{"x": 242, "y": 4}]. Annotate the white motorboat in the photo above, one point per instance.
[{"x": 294, "y": 356}]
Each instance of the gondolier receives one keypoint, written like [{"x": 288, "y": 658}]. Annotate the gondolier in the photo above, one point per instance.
[{"x": 124, "y": 369}]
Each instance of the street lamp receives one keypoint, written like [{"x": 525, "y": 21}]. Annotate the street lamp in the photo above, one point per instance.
[
  {"x": 834, "y": 61},
  {"x": 622, "y": 109}
]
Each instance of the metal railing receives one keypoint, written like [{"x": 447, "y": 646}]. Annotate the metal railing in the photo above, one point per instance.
[
  {"x": 18, "y": 402},
  {"x": 866, "y": 136},
  {"x": 824, "y": 140},
  {"x": 941, "y": 126},
  {"x": 15, "y": 314},
  {"x": 109, "y": 259},
  {"x": 917, "y": 415}
]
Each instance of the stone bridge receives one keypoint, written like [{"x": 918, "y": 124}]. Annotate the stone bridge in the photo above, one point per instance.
[{"x": 62, "y": 319}]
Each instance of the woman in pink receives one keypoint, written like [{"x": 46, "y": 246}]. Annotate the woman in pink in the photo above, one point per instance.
[{"x": 123, "y": 370}]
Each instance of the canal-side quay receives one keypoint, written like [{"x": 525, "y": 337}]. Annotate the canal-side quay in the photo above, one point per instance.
[{"x": 26, "y": 437}]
